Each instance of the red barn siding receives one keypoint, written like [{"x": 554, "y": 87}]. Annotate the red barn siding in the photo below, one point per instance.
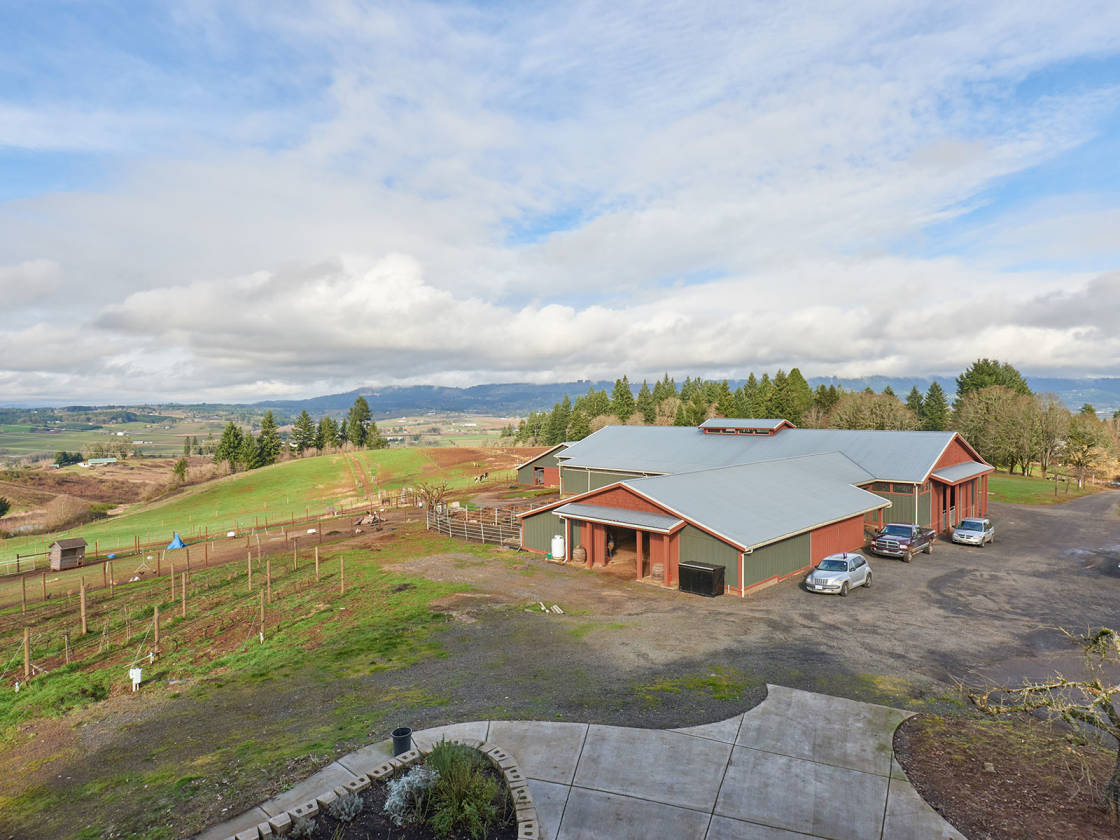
[
  {"x": 832, "y": 539},
  {"x": 955, "y": 453},
  {"x": 620, "y": 497}
]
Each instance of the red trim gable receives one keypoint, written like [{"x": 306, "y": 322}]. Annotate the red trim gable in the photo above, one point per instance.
[{"x": 957, "y": 451}]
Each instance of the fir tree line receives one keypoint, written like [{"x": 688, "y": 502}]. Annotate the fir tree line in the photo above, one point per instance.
[{"x": 244, "y": 451}]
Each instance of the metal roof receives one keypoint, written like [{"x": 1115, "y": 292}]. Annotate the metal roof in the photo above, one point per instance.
[
  {"x": 960, "y": 472},
  {"x": 885, "y": 455},
  {"x": 540, "y": 455},
  {"x": 619, "y": 516},
  {"x": 72, "y": 542},
  {"x": 756, "y": 504},
  {"x": 742, "y": 423}
]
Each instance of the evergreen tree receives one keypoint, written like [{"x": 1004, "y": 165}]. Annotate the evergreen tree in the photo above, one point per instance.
[
  {"x": 374, "y": 439},
  {"x": 750, "y": 400},
  {"x": 800, "y": 397},
  {"x": 935, "y": 409},
  {"x": 889, "y": 391},
  {"x": 681, "y": 417},
  {"x": 187, "y": 444},
  {"x": 914, "y": 401},
  {"x": 358, "y": 422},
  {"x": 645, "y": 403},
  {"x": 596, "y": 403},
  {"x": 986, "y": 372},
  {"x": 557, "y": 426},
  {"x": 622, "y": 399},
  {"x": 326, "y": 435},
  {"x": 343, "y": 432},
  {"x": 269, "y": 443},
  {"x": 765, "y": 389},
  {"x": 229, "y": 447},
  {"x": 249, "y": 454},
  {"x": 726, "y": 404},
  {"x": 663, "y": 389},
  {"x": 779, "y": 402},
  {"x": 579, "y": 426},
  {"x": 303, "y": 433}
]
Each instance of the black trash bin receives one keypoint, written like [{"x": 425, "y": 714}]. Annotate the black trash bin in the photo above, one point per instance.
[
  {"x": 700, "y": 578},
  {"x": 402, "y": 740}
]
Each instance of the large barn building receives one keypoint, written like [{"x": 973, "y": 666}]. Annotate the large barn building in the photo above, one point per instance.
[
  {"x": 761, "y": 498},
  {"x": 542, "y": 470}
]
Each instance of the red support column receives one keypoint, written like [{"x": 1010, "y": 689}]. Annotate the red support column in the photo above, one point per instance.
[
  {"x": 664, "y": 552},
  {"x": 599, "y": 537},
  {"x": 674, "y": 556},
  {"x": 638, "y": 564}
]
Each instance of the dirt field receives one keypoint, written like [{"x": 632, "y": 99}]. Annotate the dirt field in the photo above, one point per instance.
[{"x": 625, "y": 653}]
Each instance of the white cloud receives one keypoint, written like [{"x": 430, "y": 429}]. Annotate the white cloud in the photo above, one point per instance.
[{"x": 736, "y": 184}]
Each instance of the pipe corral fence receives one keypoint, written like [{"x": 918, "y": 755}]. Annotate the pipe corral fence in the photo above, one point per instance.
[{"x": 492, "y": 526}]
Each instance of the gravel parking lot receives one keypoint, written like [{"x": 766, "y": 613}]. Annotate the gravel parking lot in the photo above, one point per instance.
[{"x": 960, "y": 613}]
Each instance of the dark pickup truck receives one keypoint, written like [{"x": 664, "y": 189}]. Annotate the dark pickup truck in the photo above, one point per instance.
[{"x": 898, "y": 540}]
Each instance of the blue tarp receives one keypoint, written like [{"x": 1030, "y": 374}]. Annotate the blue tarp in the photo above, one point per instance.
[{"x": 177, "y": 542}]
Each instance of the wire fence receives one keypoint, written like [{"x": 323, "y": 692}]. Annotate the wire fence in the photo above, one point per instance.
[{"x": 202, "y": 532}]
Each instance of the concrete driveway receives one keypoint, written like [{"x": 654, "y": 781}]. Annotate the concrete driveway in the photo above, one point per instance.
[{"x": 799, "y": 765}]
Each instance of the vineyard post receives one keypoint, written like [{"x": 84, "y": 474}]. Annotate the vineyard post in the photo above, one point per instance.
[
  {"x": 183, "y": 592},
  {"x": 262, "y": 615},
  {"x": 295, "y": 557},
  {"x": 66, "y": 645},
  {"x": 155, "y": 626},
  {"x": 27, "y": 653},
  {"x": 316, "y": 564},
  {"x": 188, "y": 549},
  {"x": 249, "y": 567},
  {"x": 268, "y": 578},
  {"x": 105, "y": 575},
  {"x": 159, "y": 564},
  {"x": 44, "y": 584},
  {"x": 205, "y": 553},
  {"x": 82, "y": 602},
  {"x": 112, "y": 582}
]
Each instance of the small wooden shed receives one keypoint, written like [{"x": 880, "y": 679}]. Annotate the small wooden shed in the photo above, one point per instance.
[{"x": 68, "y": 554}]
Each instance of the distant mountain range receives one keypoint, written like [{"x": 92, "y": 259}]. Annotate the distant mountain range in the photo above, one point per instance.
[{"x": 513, "y": 399}]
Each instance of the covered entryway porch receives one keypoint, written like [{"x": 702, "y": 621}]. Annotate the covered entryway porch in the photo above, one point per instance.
[
  {"x": 959, "y": 491},
  {"x": 635, "y": 544}
]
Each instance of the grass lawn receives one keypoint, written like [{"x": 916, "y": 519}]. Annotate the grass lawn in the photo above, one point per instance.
[
  {"x": 1032, "y": 490},
  {"x": 315, "y": 640}
]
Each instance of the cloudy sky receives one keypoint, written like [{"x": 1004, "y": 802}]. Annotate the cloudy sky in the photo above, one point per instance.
[{"x": 236, "y": 200}]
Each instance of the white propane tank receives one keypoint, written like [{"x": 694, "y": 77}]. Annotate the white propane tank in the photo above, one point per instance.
[{"x": 558, "y": 547}]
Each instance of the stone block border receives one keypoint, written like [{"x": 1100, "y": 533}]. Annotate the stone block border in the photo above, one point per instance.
[{"x": 528, "y": 826}]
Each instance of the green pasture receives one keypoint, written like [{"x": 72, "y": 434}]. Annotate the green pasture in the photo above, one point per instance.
[
  {"x": 278, "y": 492},
  {"x": 1033, "y": 490}
]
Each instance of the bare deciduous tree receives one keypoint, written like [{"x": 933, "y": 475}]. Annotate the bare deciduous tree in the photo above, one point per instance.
[
  {"x": 431, "y": 494},
  {"x": 1087, "y": 704}
]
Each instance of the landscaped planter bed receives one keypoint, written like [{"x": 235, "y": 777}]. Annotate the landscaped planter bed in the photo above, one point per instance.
[{"x": 449, "y": 791}]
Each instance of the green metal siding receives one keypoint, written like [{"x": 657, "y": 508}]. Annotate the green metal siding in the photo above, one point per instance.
[
  {"x": 923, "y": 509},
  {"x": 525, "y": 475},
  {"x": 704, "y": 548},
  {"x": 537, "y": 531},
  {"x": 548, "y": 459},
  {"x": 902, "y": 507},
  {"x": 602, "y": 478},
  {"x": 780, "y": 558}
]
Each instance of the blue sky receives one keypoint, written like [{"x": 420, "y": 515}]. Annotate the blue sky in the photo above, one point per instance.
[{"x": 231, "y": 200}]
